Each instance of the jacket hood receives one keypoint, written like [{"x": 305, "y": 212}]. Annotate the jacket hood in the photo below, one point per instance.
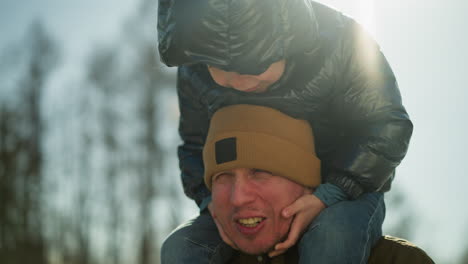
[{"x": 245, "y": 36}]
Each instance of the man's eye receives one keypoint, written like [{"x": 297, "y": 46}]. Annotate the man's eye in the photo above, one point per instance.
[
  {"x": 263, "y": 173},
  {"x": 221, "y": 177},
  {"x": 260, "y": 170}
]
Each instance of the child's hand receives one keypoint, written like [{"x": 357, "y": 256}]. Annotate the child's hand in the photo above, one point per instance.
[{"x": 304, "y": 210}]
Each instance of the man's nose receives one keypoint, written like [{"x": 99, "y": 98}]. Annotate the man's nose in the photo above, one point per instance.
[{"x": 242, "y": 193}]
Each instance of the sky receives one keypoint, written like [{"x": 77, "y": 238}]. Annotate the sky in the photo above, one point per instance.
[{"x": 425, "y": 42}]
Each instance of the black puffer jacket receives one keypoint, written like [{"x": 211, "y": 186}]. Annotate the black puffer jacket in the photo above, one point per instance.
[{"x": 340, "y": 82}]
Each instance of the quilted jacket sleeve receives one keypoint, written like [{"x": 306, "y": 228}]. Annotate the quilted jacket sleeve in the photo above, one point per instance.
[
  {"x": 193, "y": 127},
  {"x": 376, "y": 126}
]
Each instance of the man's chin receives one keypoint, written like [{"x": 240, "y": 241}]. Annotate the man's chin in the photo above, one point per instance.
[
  {"x": 254, "y": 248},
  {"x": 260, "y": 243}
]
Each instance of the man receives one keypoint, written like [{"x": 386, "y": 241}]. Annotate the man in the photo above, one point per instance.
[
  {"x": 257, "y": 162},
  {"x": 306, "y": 60}
]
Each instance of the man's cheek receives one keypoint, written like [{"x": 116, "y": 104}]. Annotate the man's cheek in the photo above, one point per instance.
[
  {"x": 220, "y": 215},
  {"x": 284, "y": 226}
]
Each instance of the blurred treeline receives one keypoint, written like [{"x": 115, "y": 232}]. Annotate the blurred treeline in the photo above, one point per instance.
[{"x": 94, "y": 179}]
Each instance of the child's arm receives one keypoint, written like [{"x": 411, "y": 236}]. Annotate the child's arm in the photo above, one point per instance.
[
  {"x": 193, "y": 127},
  {"x": 376, "y": 127}
]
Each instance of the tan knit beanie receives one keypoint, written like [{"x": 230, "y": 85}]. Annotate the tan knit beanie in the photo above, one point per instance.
[{"x": 249, "y": 136}]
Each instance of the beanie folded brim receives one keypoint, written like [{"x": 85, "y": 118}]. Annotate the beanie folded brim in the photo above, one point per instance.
[{"x": 266, "y": 152}]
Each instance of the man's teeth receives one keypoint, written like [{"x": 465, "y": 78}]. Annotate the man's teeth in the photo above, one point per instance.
[{"x": 250, "y": 222}]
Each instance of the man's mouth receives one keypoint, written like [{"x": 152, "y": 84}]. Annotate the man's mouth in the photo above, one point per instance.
[{"x": 250, "y": 222}]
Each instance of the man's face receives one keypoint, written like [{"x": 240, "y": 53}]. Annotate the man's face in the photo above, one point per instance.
[
  {"x": 247, "y": 204},
  {"x": 248, "y": 83}
]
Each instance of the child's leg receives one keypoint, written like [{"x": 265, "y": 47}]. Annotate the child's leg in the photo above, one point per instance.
[
  {"x": 196, "y": 241},
  {"x": 344, "y": 232}
]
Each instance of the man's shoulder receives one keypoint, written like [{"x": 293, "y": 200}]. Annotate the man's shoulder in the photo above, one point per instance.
[
  {"x": 388, "y": 250},
  {"x": 393, "y": 250}
]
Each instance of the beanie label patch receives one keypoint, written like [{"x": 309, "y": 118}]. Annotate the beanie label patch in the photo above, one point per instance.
[{"x": 225, "y": 150}]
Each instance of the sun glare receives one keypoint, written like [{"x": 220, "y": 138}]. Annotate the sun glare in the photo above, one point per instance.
[{"x": 366, "y": 15}]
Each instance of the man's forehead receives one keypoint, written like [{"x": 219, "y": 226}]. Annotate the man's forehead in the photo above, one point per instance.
[{"x": 251, "y": 171}]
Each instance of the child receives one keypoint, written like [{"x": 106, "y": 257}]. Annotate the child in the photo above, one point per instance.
[{"x": 310, "y": 62}]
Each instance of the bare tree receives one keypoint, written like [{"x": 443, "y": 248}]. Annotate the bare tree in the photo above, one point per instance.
[
  {"x": 84, "y": 193},
  {"x": 22, "y": 239},
  {"x": 150, "y": 79},
  {"x": 107, "y": 163},
  {"x": 102, "y": 76}
]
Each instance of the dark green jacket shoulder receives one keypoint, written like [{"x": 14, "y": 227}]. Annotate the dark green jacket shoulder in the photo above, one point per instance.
[{"x": 389, "y": 250}]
